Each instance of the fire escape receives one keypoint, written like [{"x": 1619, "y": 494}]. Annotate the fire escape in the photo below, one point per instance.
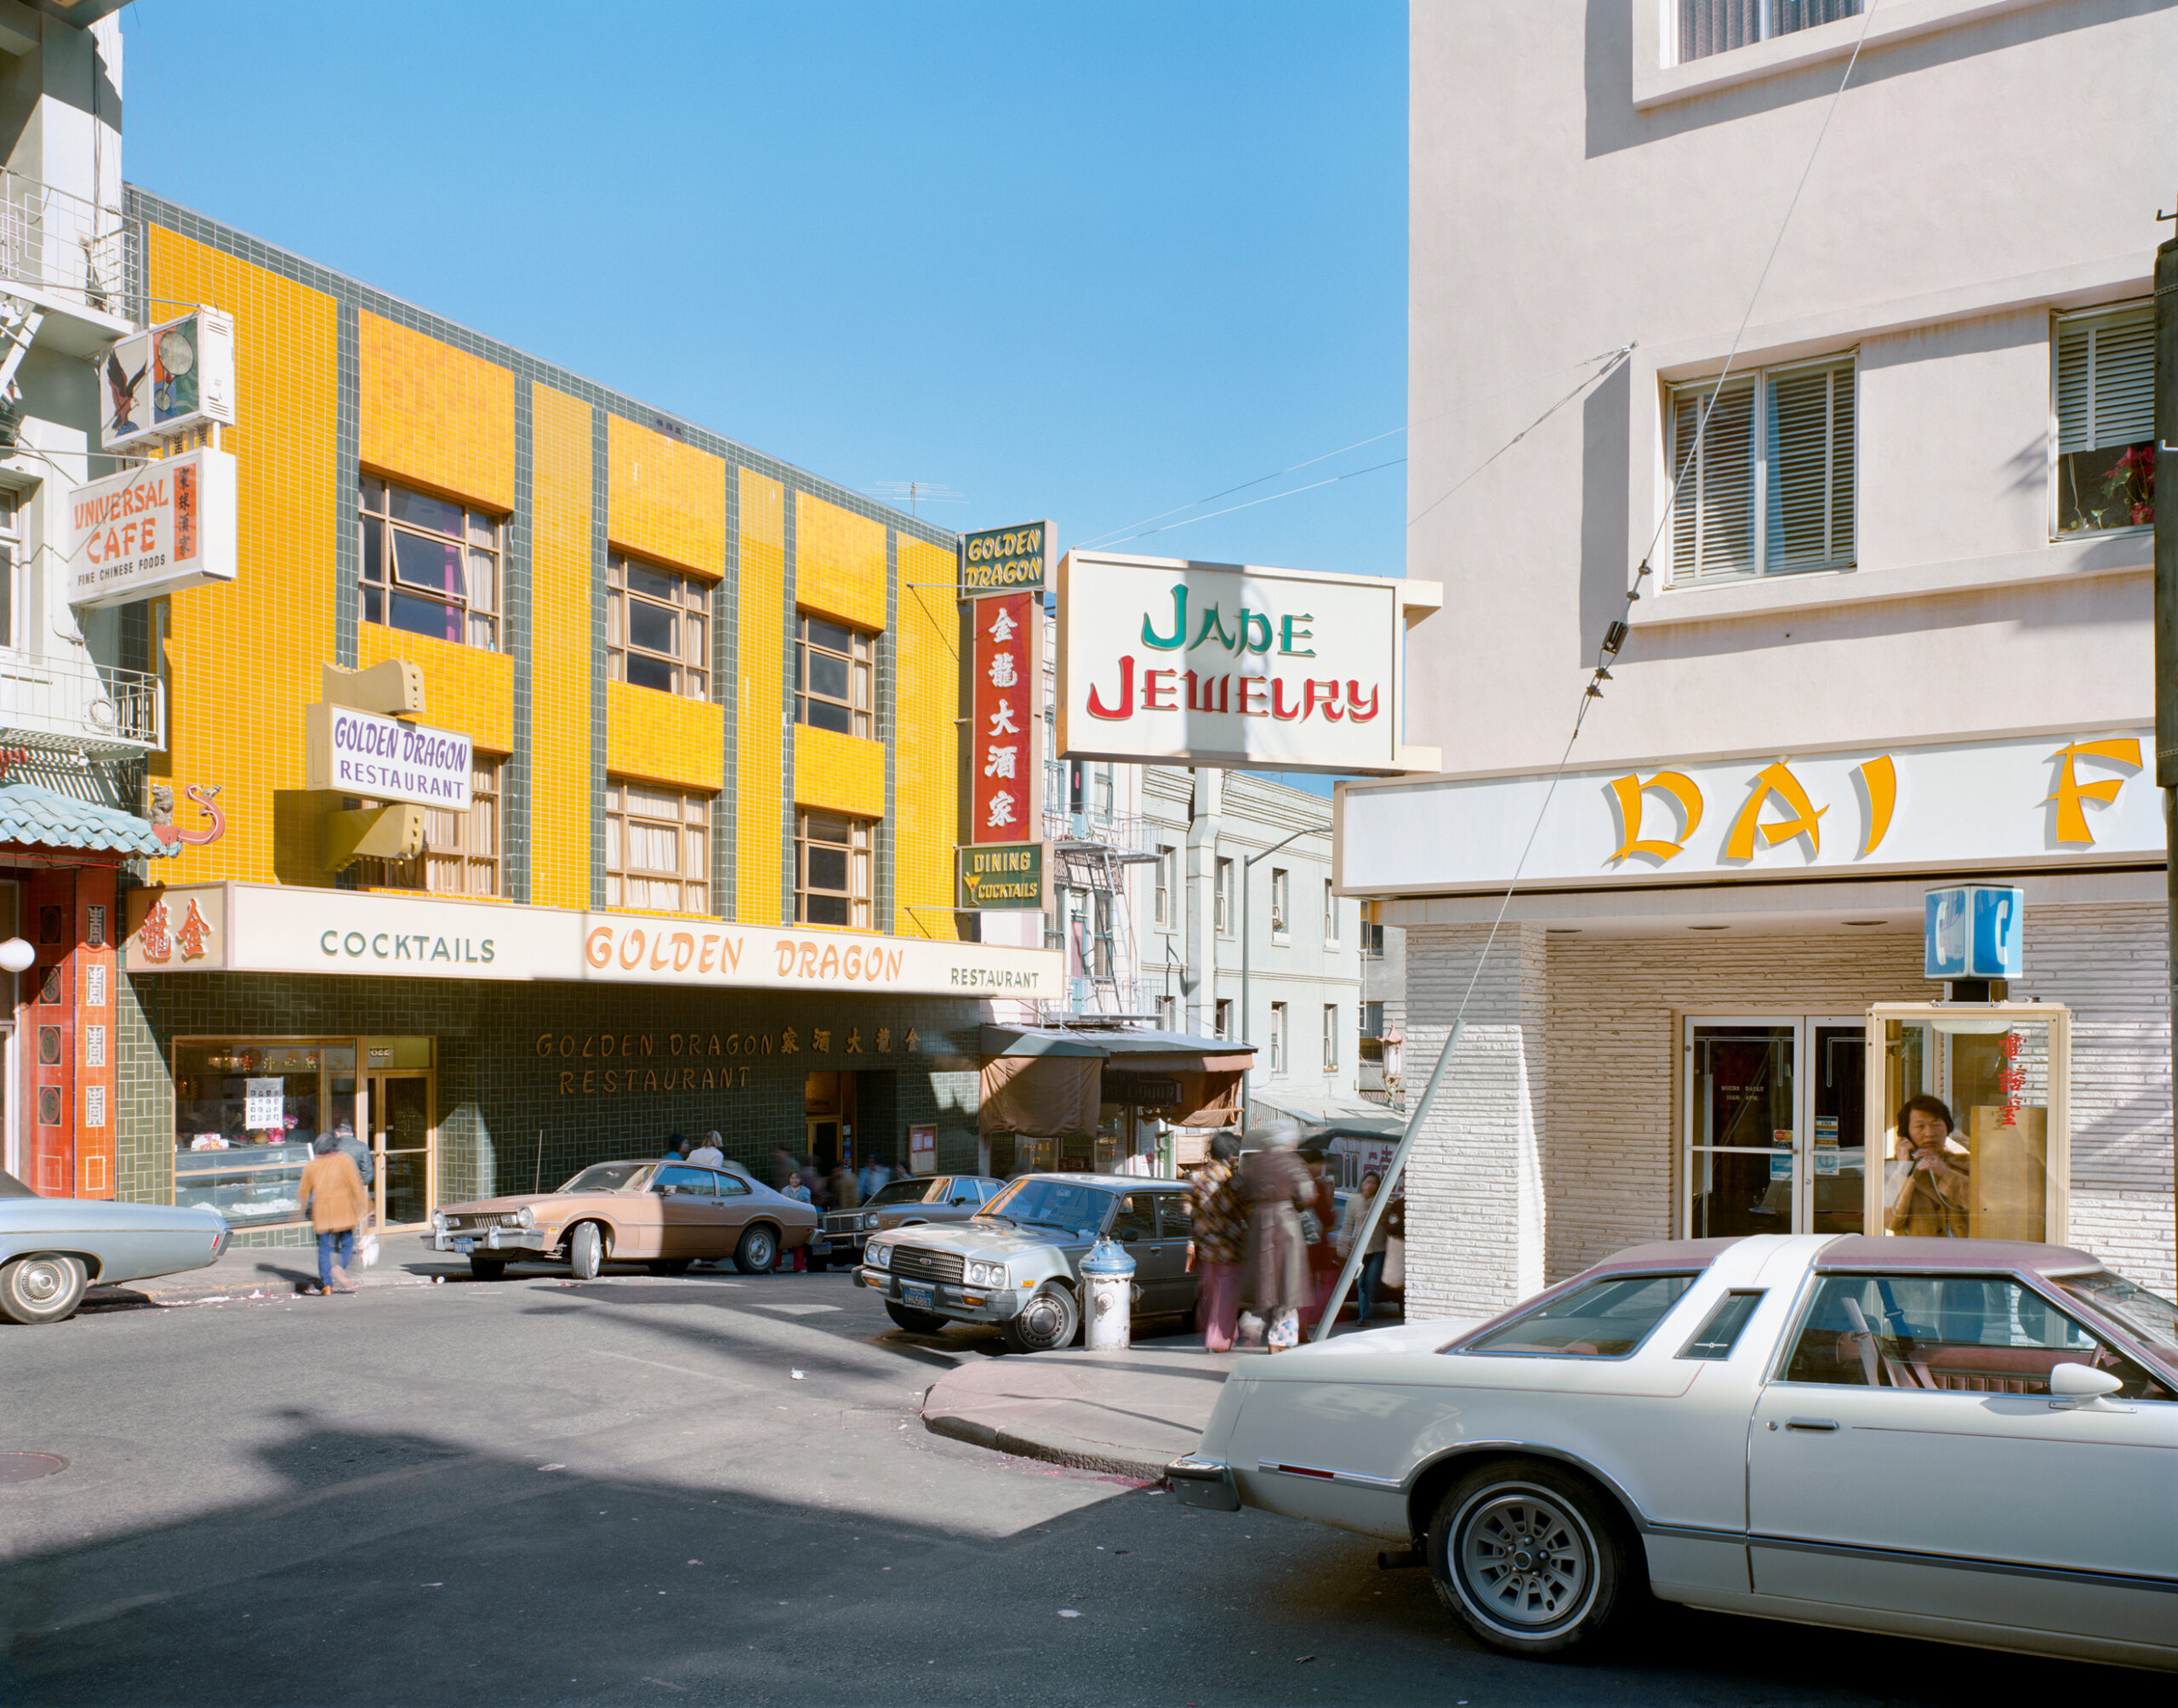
[{"x": 1092, "y": 846}]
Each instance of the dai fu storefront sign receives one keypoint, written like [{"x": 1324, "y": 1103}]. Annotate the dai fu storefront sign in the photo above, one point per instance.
[
  {"x": 155, "y": 528},
  {"x": 1163, "y": 661}
]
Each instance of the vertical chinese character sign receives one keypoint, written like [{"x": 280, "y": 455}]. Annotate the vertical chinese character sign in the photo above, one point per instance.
[{"x": 1005, "y": 753}]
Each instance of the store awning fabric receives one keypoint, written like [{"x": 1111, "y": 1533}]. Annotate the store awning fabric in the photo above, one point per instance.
[
  {"x": 1048, "y": 1080},
  {"x": 1137, "y": 1051},
  {"x": 1335, "y": 1114}
]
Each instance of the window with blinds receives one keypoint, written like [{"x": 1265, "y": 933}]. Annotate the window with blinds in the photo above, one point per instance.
[
  {"x": 1765, "y": 484},
  {"x": 1717, "y": 26},
  {"x": 2105, "y": 390}
]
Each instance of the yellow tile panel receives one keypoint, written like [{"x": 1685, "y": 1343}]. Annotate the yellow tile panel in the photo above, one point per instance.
[
  {"x": 562, "y": 580},
  {"x": 838, "y": 773},
  {"x": 435, "y": 415},
  {"x": 242, "y": 657},
  {"x": 668, "y": 738},
  {"x": 760, "y": 700},
  {"x": 839, "y": 563},
  {"x": 667, "y": 499},
  {"x": 926, "y": 769},
  {"x": 465, "y": 688}
]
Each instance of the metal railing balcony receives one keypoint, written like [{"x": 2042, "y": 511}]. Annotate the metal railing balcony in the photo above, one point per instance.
[
  {"x": 55, "y": 240},
  {"x": 61, "y": 705},
  {"x": 1104, "y": 1000}
]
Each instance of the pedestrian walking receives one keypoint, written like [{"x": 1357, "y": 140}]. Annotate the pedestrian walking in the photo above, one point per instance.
[
  {"x": 1220, "y": 1241},
  {"x": 1372, "y": 1261},
  {"x": 333, "y": 1193},
  {"x": 709, "y": 1154},
  {"x": 358, "y": 1152},
  {"x": 782, "y": 1168},
  {"x": 811, "y": 1176},
  {"x": 676, "y": 1149},
  {"x": 798, "y": 1259},
  {"x": 1318, "y": 1223},
  {"x": 1277, "y": 1186},
  {"x": 876, "y": 1175},
  {"x": 845, "y": 1194}
]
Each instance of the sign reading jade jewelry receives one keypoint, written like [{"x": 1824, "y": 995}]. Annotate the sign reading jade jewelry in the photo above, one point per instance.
[
  {"x": 1005, "y": 559},
  {"x": 385, "y": 758},
  {"x": 157, "y": 527},
  {"x": 2063, "y": 799},
  {"x": 280, "y": 928},
  {"x": 1005, "y": 770},
  {"x": 1168, "y": 661}
]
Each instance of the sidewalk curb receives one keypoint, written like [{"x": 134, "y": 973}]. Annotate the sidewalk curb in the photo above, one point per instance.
[{"x": 1078, "y": 1456}]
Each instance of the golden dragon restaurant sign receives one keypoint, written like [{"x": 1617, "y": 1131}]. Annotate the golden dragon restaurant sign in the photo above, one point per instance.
[
  {"x": 273, "y": 928},
  {"x": 2062, "y": 799}
]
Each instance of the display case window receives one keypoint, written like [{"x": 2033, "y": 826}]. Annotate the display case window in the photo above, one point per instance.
[{"x": 245, "y": 1115}]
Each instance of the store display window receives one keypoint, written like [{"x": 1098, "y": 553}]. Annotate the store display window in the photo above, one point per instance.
[{"x": 246, "y": 1114}]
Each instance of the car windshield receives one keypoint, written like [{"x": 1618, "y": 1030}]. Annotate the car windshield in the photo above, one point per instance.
[
  {"x": 609, "y": 1177},
  {"x": 900, "y": 1192},
  {"x": 1041, "y": 1201},
  {"x": 12, "y": 1187},
  {"x": 2154, "y": 1319},
  {"x": 1607, "y": 1318}
]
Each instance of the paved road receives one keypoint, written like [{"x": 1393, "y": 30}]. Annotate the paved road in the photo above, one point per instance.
[{"x": 712, "y": 1490}]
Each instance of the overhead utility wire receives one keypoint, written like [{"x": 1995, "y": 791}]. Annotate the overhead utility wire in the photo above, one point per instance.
[
  {"x": 1610, "y": 359},
  {"x": 1252, "y": 502}
]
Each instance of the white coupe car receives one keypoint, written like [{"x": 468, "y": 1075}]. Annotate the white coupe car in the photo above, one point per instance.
[{"x": 1960, "y": 1439}]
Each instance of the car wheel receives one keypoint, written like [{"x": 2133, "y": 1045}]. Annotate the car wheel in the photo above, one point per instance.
[
  {"x": 1531, "y": 1558},
  {"x": 44, "y": 1287},
  {"x": 586, "y": 1251},
  {"x": 758, "y": 1250},
  {"x": 915, "y": 1322},
  {"x": 670, "y": 1265},
  {"x": 1049, "y": 1320},
  {"x": 487, "y": 1268}
]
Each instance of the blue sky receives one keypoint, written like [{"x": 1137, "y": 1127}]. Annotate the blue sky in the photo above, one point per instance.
[{"x": 1088, "y": 262}]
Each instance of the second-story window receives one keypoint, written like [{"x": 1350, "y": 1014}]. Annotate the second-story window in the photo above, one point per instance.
[
  {"x": 461, "y": 850},
  {"x": 657, "y": 848},
  {"x": 1278, "y": 1038},
  {"x": 832, "y": 670},
  {"x": 1165, "y": 852},
  {"x": 1224, "y": 898},
  {"x": 2106, "y": 420},
  {"x": 1330, "y": 1037},
  {"x": 429, "y": 566},
  {"x": 832, "y": 881},
  {"x": 1330, "y": 912},
  {"x": 1223, "y": 1017},
  {"x": 1717, "y": 26},
  {"x": 1765, "y": 486},
  {"x": 1282, "y": 901},
  {"x": 10, "y": 555},
  {"x": 657, "y": 627}
]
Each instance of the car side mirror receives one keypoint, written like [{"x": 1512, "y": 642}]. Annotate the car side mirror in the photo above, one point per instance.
[
  {"x": 2076, "y": 1385},
  {"x": 1128, "y": 1236}
]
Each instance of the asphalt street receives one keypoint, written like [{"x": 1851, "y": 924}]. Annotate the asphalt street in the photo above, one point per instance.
[{"x": 707, "y": 1490}]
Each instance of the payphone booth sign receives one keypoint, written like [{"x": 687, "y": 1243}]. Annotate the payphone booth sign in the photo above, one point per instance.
[{"x": 1974, "y": 931}]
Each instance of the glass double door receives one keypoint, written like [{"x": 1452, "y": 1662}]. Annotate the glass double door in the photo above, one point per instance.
[{"x": 1775, "y": 1105}]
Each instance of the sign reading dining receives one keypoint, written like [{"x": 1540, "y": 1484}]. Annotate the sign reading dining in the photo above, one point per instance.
[{"x": 1164, "y": 661}]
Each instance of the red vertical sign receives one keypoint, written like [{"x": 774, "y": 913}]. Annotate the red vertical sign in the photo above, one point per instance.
[{"x": 1005, "y": 753}]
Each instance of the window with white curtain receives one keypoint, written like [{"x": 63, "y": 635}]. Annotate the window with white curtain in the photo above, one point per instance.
[
  {"x": 1717, "y": 26},
  {"x": 2105, "y": 406},
  {"x": 656, "y": 844},
  {"x": 1765, "y": 473}
]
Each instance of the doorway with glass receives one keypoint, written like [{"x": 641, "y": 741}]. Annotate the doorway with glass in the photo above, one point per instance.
[{"x": 1772, "y": 1138}]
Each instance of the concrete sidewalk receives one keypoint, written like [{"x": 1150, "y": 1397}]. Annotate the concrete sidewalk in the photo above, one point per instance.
[
  {"x": 405, "y": 1259},
  {"x": 1127, "y": 1413}
]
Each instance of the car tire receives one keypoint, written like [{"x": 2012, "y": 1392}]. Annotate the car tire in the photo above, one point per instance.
[
  {"x": 818, "y": 1265},
  {"x": 759, "y": 1250},
  {"x": 487, "y": 1268},
  {"x": 915, "y": 1322},
  {"x": 1050, "y": 1319},
  {"x": 669, "y": 1265},
  {"x": 1531, "y": 1558},
  {"x": 44, "y": 1287},
  {"x": 586, "y": 1251}
]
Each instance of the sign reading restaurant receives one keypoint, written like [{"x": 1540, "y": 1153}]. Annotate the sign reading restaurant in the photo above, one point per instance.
[
  {"x": 1163, "y": 661},
  {"x": 276, "y": 928}
]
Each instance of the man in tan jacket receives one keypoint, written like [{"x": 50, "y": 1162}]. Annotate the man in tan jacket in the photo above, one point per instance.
[{"x": 333, "y": 1193}]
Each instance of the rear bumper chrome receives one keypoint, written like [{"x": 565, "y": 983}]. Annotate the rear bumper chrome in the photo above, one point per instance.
[{"x": 1204, "y": 1482}]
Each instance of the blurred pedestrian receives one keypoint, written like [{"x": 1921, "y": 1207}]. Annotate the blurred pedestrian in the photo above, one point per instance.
[
  {"x": 708, "y": 1154},
  {"x": 358, "y": 1152},
  {"x": 782, "y": 1168},
  {"x": 1318, "y": 1223},
  {"x": 798, "y": 1259},
  {"x": 811, "y": 1176},
  {"x": 1372, "y": 1263},
  {"x": 1220, "y": 1241},
  {"x": 676, "y": 1149},
  {"x": 1276, "y": 1185},
  {"x": 846, "y": 1195},
  {"x": 875, "y": 1177},
  {"x": 332, "y": 1192}
]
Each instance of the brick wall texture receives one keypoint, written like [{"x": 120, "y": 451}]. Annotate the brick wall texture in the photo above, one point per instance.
[{"x": 1555, "y": 1138}]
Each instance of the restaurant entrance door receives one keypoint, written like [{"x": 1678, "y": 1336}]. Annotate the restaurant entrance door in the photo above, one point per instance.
[
  {"x": 401, "y": 1142},
  {"x": 1775, "y": 1108}
]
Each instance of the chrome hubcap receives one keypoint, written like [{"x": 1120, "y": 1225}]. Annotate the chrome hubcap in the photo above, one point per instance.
[
  {"x": 1044, "y": 1318},
  {"x": 41, "y": 1282},
  {"x": 1525, "y": 1561}
]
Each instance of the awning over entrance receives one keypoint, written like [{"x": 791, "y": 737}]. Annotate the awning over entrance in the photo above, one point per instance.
[
  {"x": 1335, "y": 1114},
  {"x": 36, "y": 817},
  {"x": 1053, "y": 1081}
]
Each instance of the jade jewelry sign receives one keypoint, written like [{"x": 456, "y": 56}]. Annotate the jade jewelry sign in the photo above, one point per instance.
[{"x": 1167, "y": 661}]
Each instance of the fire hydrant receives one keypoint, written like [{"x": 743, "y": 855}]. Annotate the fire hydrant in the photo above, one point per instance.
[{"x": 1108, "y": 1279}]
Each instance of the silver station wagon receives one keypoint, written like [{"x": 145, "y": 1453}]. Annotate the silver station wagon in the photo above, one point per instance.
[{"x": 1018, "y": 1261}]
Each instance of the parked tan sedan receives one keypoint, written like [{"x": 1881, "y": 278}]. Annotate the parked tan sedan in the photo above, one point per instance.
[{"x": 663, "y": 1214}]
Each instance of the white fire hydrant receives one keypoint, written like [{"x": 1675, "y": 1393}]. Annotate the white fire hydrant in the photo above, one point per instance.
[{"x": 1108, "y": 1280}]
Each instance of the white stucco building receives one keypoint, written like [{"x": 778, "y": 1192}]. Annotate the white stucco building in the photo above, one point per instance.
[{"x": 1896, "y": 631}]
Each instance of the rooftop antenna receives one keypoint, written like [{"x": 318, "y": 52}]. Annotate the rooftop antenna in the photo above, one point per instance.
[{"x": 916, "y": 493}]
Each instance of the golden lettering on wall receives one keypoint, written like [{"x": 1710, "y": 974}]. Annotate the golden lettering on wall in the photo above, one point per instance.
[
  {"x": 1630, "y": 793},
  {"x": 726, "y": 1075},
  {"x": 1879, "y": 777},
  {"x": 1775, "y": 783},
  {"x": 2070, "y": 792}
]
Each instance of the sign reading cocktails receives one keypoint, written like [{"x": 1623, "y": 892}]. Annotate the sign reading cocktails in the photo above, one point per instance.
[{"x": 1166, "y": 661}]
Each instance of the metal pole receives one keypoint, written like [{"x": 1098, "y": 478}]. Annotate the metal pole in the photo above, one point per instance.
[
  {"x": 2166, "y": 623},
  {"x": 1247, "y": 944},
  {"x": 1382, "y": 1203}
]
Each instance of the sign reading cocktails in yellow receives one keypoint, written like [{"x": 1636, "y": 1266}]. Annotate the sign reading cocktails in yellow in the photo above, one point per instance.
[{"x": 1001, "y": 876}]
